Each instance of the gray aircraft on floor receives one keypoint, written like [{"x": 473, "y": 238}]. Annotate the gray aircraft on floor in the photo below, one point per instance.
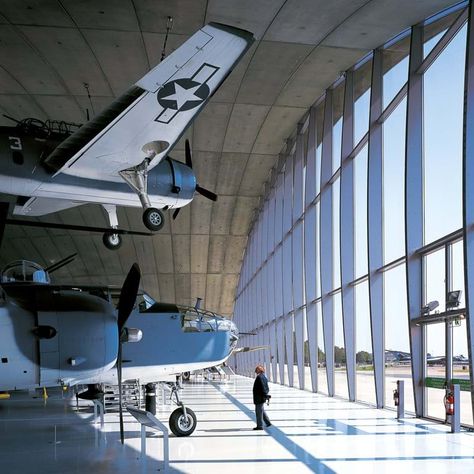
[
  {"x": 65, "y": 335},
  {"x": 120, "y": 157}
]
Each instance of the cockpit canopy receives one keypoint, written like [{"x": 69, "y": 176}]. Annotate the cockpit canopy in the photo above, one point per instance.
[
  {"x": 24, "y": 271},
  {"x": 192, "y": 319}
]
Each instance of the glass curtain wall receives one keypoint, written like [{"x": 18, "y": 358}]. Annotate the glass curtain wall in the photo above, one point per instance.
[{"x": 389, "y": 132}]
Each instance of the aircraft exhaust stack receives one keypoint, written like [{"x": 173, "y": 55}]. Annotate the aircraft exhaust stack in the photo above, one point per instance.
[{"x": 198, "y": 303}]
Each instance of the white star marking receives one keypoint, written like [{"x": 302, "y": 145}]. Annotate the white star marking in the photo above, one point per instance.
[{"x": 182, "y": 95}]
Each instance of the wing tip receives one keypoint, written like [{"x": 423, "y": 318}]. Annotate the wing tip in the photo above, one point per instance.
[{"x": 245, "y": 34}]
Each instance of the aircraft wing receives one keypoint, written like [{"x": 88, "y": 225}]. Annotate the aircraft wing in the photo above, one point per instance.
[
  {"x": 148, "y": 120},
  {"x": 39, "y": 206}
]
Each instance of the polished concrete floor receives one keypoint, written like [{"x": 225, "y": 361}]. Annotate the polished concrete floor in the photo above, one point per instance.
[{"x": 310, "y": 433}]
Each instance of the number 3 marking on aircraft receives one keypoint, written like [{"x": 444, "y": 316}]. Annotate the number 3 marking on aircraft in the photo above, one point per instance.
[{"x": 15, "y": 143}]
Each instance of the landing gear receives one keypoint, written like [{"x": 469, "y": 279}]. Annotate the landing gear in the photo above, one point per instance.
[
  {"x": 153, "y": 219},
  {"x": 136, "y": 178},
  {"x": 111, "y": 240},
  {"x": 182, "y": 421}
]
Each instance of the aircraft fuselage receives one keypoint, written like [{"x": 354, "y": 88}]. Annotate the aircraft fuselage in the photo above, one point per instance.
[
  {"x": 22, "y": 174},
  {"x": 62, "y": 335}
]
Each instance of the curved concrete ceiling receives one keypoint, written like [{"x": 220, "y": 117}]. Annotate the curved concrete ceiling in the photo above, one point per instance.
[{"x": 50, "y": 48}]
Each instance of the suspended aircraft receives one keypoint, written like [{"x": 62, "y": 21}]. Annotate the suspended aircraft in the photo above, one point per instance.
[
  {"x": 65, "y": 335},
  {"x": 121, "y": 157}
]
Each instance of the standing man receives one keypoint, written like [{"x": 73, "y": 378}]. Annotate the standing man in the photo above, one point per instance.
[{"x": 260, "y": 396}]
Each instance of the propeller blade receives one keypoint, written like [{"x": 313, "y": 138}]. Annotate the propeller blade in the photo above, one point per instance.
[
  {"x": 176, "y": 212},
  {"x": 119, "y": 377},
  {"x": 189, "y": 161},
  {"x": 128, "y": 295},
  {"x": 206, "y": 193}
]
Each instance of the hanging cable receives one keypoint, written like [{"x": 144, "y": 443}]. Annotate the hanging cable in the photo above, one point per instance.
[
  {"x": 169, "y": 25},
  {"x": 86, "y": 87}
]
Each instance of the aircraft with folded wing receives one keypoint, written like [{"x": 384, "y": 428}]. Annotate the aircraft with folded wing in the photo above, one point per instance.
[{"x": 121, "y": 157}]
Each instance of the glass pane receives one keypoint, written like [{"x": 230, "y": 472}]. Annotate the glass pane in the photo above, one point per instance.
[
  {"x": 431, "y": 43},
  {"x": 360, "y": 212},
  {"x": 461, "y": 369},
  {"x": 340, "y": 370},
  {"x": 362, "y": 81},
  {"x": 336, "y": 260},
  {"x": 443, "y": 97},
  {"x": 394, "y": 183},
  {"x": 434, "y": 278},
  {"x": 435, "y": 333},
  {"x": 394, "y": 69},
  {"x": 460, "y": 353},
  {"x": 457, "y": 269},
  {"x": 318, "y": 252},
  {"x": 288, "y": 195},
  {"x": 298, "y": 287},
  {"x": 397, "y": 341},
  {"x": 365, "y": 382},
  {"x": 337, "y": 111},
  {"x": 433, "y": 32},
  {"x": 298, "y": 180},
  {"x": 319, "y": 144},
  {"x": 310, "y": 248},
  {"x": 322, "y": 377}
]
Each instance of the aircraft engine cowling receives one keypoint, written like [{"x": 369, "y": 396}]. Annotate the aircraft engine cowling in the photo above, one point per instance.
[
  {"x": 63, "y": 338},
  {"x": 86, "y": 343}
]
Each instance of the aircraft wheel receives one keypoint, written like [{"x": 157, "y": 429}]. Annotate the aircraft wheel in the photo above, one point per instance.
[
  {"x": 111, "y": 240},
  {"x": 186, "y": 375},
  {"x": 153, "y": 219},
  {"x": 181, "y": 425}
]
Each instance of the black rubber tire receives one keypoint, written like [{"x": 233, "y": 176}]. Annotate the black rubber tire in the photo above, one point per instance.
[
  {"x": 111, "y": 240},
  {"x": 153, "y": 219},
  {"x": 179, "y": 425}
]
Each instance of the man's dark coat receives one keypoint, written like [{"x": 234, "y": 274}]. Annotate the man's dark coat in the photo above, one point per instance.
[{"x": 260, "y": 389}]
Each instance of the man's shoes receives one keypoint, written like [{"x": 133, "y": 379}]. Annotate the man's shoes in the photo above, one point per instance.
[
  {"x": 258, "y": 428},
  {"x": 269, "y": 424}
]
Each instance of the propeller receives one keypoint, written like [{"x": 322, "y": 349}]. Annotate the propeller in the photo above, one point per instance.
[
  {"x": 202, "y": 191},
  {"x": 127, "y": 298},
  {"x": 206, "y": 193},
  {"x": 187, "y": 154}
]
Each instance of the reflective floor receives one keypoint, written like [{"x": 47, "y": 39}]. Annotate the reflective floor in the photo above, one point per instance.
[{"x": 310, "y": 433}]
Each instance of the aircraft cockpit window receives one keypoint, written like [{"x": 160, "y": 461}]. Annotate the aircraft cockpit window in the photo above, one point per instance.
[
  {"x": 23, "y": 271},
  {"x": 145, "y": 302},
  {"x": 202, "y": 321},
  {"x": 195, "y": 322}
]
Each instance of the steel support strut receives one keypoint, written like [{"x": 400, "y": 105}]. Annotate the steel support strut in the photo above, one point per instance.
[
  {"x": 175, "y": 388},
  {"x": 137, "y": 179},
  {"x": 111, "y": 210}
]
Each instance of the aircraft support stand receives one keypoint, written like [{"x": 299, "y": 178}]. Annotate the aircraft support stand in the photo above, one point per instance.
[
  {"x": 150, "y": 398},
  {"x": 98, "y": 411},
  {"x": 145, "y": 419}
]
